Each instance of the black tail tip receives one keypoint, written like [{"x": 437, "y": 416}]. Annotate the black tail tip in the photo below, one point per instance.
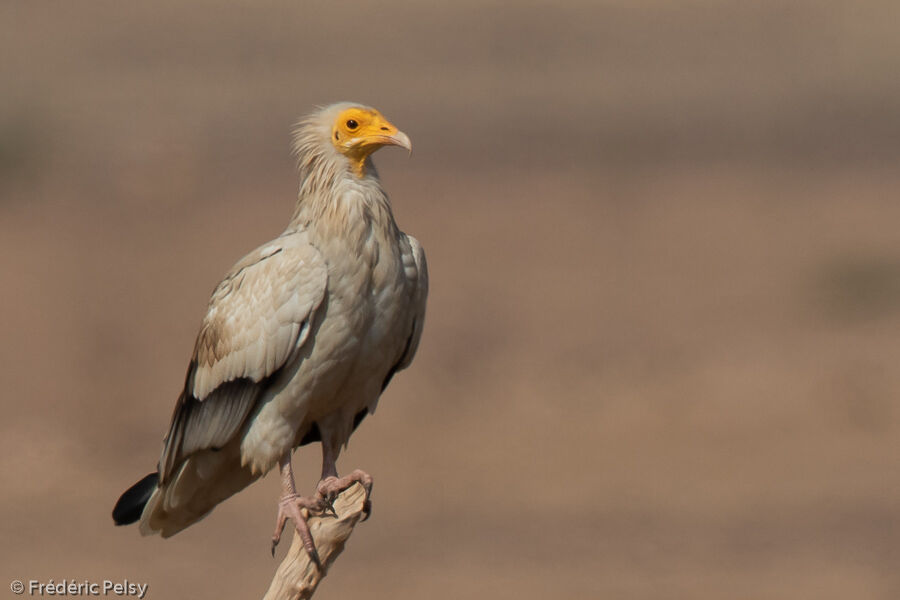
[{"x": 131, "y": 504}]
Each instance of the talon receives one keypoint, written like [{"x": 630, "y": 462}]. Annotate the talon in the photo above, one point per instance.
[
  {"x": 328, "y": 507},
  {"x": 330, "y": 487},
  {"x": 297, "y": 509},
  {"x": 314, "y": 557}
]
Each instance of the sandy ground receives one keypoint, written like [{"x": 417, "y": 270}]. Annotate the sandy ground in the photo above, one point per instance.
[{"x": 660, "y": 356}]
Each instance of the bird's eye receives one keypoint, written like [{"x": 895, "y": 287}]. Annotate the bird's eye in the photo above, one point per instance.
[{"x": 351, "y": 124}]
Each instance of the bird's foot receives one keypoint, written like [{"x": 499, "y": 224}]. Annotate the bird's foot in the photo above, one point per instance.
[
  {"x": 298, "y": 508},
  {"x": 329, "y": 488}
]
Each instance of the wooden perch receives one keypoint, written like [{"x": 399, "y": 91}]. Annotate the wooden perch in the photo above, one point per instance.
[{"x": 297, "y": 576}]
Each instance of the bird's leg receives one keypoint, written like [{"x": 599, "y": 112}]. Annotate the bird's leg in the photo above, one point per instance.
[
  {"x": 331, "y": 485},
  {"x": 292, "y": 506}
]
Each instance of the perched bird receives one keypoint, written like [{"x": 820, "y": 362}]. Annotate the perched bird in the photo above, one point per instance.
[{"x": 299, "y": 340}]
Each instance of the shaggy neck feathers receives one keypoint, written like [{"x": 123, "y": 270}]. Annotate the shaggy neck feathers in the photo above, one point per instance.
[{"x": 332, "y": 200}]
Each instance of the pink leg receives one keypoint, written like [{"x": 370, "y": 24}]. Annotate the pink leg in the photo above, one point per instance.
[
  {"x": 291, "y": 506},
  {"x": 331, "y": 485}
]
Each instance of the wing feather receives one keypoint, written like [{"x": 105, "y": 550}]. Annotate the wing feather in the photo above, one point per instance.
[
  {"x": 258, "y": 317},
  {"x": 421, "y": 296}
]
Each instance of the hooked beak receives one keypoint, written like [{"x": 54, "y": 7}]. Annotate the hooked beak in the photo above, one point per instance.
[{"x": 398, "y": 138}]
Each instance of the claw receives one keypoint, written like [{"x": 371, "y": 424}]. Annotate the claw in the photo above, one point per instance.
[
  {"x": 330, "y": 487},
  {"x": 291, "y": 507}
]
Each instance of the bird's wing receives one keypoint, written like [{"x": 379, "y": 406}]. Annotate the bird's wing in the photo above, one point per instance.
[
  {"x": 259, "y": 316},
  {"x": 421, "y": 295}
]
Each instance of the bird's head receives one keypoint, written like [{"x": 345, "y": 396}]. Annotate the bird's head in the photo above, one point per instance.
[{"x": 353, "y": 130}]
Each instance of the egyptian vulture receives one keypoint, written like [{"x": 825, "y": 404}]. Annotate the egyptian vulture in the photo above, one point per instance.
[{"x": 299, "y": 340}]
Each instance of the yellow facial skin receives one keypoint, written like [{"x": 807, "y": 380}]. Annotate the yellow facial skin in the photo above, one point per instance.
[{"x": 358, "y": 132}]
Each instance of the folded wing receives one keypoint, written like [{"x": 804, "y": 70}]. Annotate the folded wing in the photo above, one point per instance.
[{"x": 258, "y": 318}]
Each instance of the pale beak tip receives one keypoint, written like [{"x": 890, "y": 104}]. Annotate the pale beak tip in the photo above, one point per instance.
[{"x": 403, "y": 141}]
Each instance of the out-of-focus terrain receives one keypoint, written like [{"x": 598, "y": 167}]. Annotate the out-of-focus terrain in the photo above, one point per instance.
[{"x": 664, "y": 327}]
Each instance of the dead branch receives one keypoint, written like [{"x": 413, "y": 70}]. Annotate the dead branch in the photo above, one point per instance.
[{"x": 297, "y": 576}]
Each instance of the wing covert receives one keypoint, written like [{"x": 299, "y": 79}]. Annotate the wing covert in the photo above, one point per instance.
[{"x": 258, "y": 317}]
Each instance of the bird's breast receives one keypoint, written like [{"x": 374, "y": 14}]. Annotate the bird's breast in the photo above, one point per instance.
[{"x": 367, "y": 310}]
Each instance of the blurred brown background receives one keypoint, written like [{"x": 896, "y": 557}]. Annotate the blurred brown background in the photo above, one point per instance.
[{"x": 661, "y": 352}]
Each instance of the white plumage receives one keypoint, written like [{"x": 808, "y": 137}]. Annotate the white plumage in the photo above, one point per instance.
[{"x": 300, "y": 337}]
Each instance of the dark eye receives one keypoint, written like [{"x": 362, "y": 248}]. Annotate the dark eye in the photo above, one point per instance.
[{"x": 351, "y": 124}]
